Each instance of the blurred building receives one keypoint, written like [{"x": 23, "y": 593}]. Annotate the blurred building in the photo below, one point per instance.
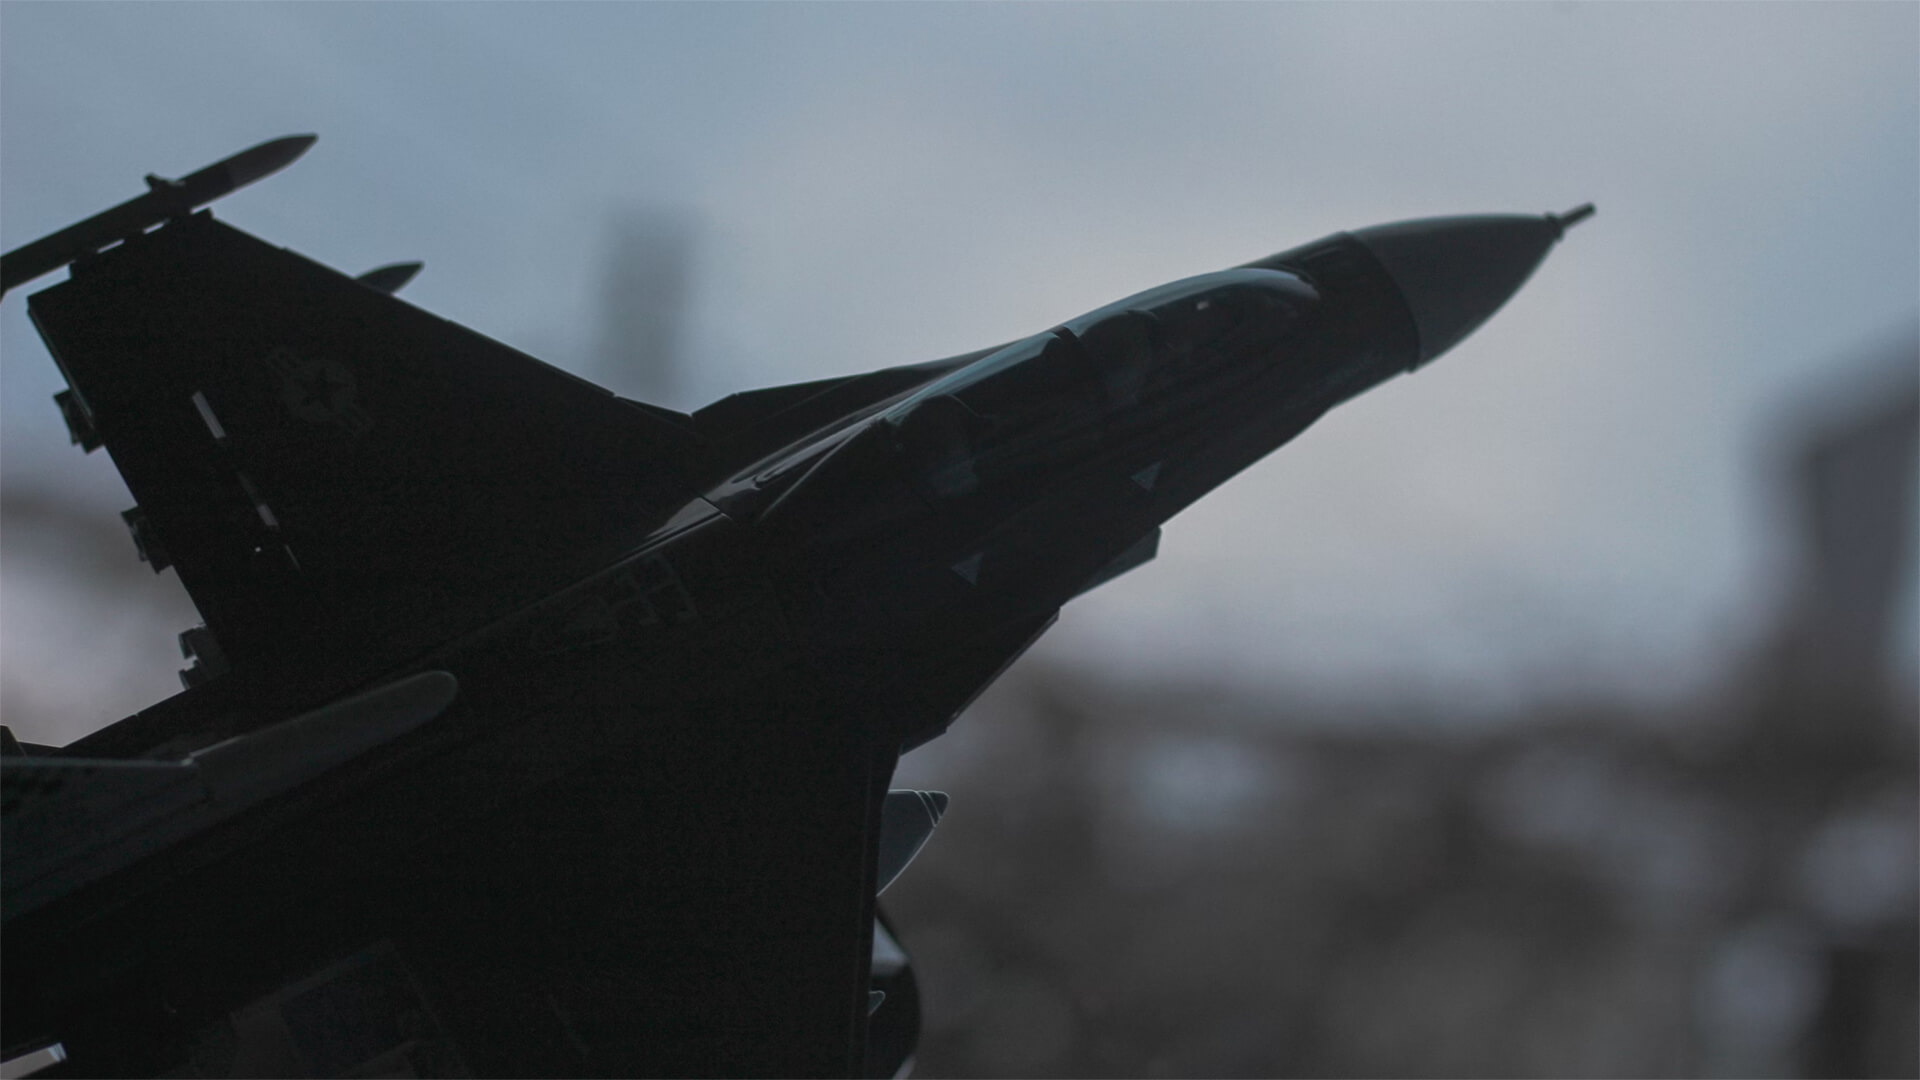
[
  {"x": 88, "y": 630},
  {"x": 644, "y": 292}
]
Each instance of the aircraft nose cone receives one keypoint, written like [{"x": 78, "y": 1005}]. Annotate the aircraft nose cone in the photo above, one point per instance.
[{"x": 1455, "y": 272}]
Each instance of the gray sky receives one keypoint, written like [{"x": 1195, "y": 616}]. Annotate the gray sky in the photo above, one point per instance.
[{"x": 1570, "y": 498}]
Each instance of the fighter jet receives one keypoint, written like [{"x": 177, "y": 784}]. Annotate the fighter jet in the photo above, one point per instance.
[{"x": 535, "y": 731}]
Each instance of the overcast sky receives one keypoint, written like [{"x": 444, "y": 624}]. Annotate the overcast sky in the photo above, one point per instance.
[{"x": 1574, "y": 495}]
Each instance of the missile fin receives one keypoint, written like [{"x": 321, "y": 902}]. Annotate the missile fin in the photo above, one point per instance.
[{"x": 907, "y": 818}]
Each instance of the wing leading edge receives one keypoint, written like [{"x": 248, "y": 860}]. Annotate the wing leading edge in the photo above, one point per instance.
[{"x": 71, "y": 821}]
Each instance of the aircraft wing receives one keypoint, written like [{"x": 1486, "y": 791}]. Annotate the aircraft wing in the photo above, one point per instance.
[
  {"x": 340, "y": 478},
  {"x": 72, "y": 821}
]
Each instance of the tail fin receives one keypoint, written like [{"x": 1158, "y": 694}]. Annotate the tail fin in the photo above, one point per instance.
[{"x": 340, "y": 478}]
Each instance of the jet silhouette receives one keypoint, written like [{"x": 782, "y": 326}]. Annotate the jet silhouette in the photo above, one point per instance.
[{"x": 536, "y": 731}]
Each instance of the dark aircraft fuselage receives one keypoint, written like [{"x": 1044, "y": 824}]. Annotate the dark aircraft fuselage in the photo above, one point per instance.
[{"x": 640, "y": 838}]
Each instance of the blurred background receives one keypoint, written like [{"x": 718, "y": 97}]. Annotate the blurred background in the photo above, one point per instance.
[{"x": 1549, "y": 712}]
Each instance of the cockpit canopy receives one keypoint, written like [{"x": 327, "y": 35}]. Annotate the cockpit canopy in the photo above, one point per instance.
[
  {"x": 1116, "y": 344},
  {"x": 1203, "y": 311},
  {"x": 1048, "y": 400}
]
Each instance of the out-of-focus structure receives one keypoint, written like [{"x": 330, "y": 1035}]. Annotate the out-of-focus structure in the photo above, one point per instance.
[
  {"x": 89, "y": 629},
  {"x": 1173, "y": 884},
  {"x": 644, "y": 293}
]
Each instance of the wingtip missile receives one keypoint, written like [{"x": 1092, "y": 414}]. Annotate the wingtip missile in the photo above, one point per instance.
[
  {"x": 264, "y": 160},
  {"x": 163, "y": 200}
]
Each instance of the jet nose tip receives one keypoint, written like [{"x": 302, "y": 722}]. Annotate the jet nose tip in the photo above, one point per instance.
[
  {"x": 1573, "y": 217},
  {"x": 1455, "y": 272}
]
